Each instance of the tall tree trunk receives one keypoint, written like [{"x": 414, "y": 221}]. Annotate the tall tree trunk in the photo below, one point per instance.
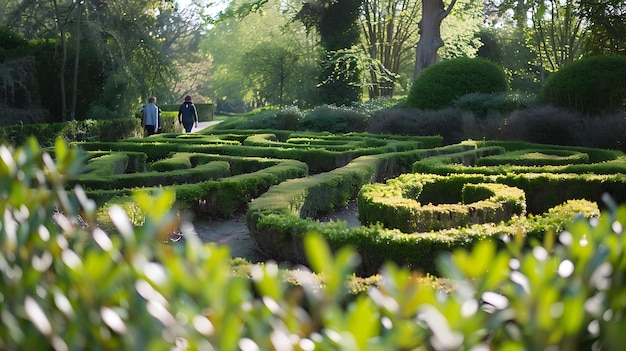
[
  {"x": 76, "y": 62},
  {"x": 61, "y": 27},
  {"x": 433, "y": 13}
]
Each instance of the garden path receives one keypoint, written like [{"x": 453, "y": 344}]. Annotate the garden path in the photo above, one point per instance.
[{"x": 234, "y": 233}]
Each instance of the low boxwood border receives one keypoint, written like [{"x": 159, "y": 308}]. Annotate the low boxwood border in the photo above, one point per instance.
[
  {"x": 398, "y": 204},
  {"x": 280, "y": 235},
  {"x": 468, "y": 161},
  {"x": 277, "y": 220},
  {"x": 535, "y": 157},
  {"x": 220, "y": 196}
]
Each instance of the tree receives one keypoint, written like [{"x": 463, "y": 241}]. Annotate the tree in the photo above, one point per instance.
[
  {"x": 181, "y": 30},
  {"x": 79, "y": 14},
  {"x": 271, "y": 71},
  {"x": 136, "y": 52},
  {"x": 336, "y": 23},
  {"x": 508, "y": 46},
  {"x": 18, "y": 81},
  {"x": 253, "y": 58},
  {"x": 508, "y": 13},
  {"x": 125, "y": 34},
  {"x": 388, "y": 28},
  {"x": 460, "y": 29},
  {"x": 557, "y": 32},
  {"x": 607, "y": 26},
  {"x": 433, "y": 13},
  {"x": 60, "y": 25}
]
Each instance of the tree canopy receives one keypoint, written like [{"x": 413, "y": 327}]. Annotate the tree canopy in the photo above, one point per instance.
[
  {"x": 132, "y": 45},
  {"x": 95, "y": 59}
]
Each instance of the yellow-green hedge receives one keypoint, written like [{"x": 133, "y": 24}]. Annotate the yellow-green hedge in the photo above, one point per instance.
[{"x": 398, "y": 204}]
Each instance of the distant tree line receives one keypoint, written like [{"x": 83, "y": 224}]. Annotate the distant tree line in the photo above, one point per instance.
[{"x": 97, "y": 59}]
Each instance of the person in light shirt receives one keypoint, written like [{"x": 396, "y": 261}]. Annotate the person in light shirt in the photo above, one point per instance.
[{"x": 151, "y": 116}]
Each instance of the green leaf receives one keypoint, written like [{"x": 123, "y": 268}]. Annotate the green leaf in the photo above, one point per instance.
[
  {"x": 318, "y": 253},
  {"x": 363, "y": 322}
]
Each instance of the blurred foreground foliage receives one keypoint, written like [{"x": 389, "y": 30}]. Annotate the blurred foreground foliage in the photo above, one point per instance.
[{"x": 67, "y": 285}]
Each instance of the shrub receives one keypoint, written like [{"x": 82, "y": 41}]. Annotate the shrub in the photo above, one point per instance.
[
  {"x": 285, "y": 119},
  {"x": 438, "y": 85},
  {"x": 535, "y": 157},
  {"x": 323, "y": 118},
  {"x": 453, "y": 124},
  {"x": 606, "y": 132},
  {"x": 101, "y": 130},
  {"x": 592, "y": 85},
  {"x": 99, "y": 112},
  {"x": 370, "y": 106},
  {"x": 399, "y": 204},
  {"x": 334, "y": 119},
  {"x": 266, "y": 119},
  {"x": 483, "y": 103},
  {"x": 545, "y": 125},
  {"x": 45, "y": 133}
]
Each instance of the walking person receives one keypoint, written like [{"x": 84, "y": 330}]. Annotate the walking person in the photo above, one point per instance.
[
  {"x": 187, "y": 114},
  {"x": 151, "y": 115}
]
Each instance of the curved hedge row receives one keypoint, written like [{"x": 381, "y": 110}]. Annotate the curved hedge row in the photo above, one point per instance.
[
  {"x": 294, "y": 178},
  {"x": 409, "y": 203},
  {"x": 473, "y": 158},
  {"x": 278, "y": 222},
  {"x": 217, "y": 175},
  {"x": 319, "y": 159},
  {"x": 280, "y": 235},
  {"x": 278, "y": 225},
  {"x": 535, "y": 157}
]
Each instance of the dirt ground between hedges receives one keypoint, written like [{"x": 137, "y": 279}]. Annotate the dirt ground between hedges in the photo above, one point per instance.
[{"x": 234, "y": 233}]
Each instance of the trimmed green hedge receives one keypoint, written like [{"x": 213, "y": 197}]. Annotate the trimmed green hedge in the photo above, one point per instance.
[
  {"x": 281, "y": 217},
  {"x": 470, "y": 161},
  {"x": 319, "y": 159},
  {"x": 321, "y": 193},
  {"x": 87, "y": 130},
  {"x": 159, "y": 176},
  {"x": 280, "y": 233},
  {"x": 215, "y": 185},
  {"x": 535, "y": 157},
  {"x": 440, "y": 84},
  {"x": 399, "y": 204}
]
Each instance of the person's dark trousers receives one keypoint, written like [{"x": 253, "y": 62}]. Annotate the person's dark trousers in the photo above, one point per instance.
[{"x": 149, "y": 129}]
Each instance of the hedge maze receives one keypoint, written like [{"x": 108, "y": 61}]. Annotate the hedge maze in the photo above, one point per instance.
[{"x": 416, "y": 197}]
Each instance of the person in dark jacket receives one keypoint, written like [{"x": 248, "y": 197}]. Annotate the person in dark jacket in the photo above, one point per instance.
[{"x": 187, "y": 114}]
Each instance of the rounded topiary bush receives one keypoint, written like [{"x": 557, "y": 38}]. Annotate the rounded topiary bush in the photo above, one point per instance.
[
  {"x": 438, "y": 85},
  {"x": 591, "y": 85}
]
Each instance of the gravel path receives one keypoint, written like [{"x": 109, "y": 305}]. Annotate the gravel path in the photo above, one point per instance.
[{"x": 234, "y": 233}]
